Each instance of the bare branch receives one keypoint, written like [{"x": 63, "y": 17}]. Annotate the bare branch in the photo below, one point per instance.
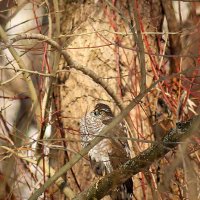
[
  {"x": 59, "y": 182},
  {"x": 142, "y": 161},
  {"x": 32, "y": 90},
  {"x": 95, "y": 141},
  {"x": 91, "y": 74},
  {"x": 173, "y": 26},
  {"x": 137, "y": 39},
  {"x": 70, "y": 63}
]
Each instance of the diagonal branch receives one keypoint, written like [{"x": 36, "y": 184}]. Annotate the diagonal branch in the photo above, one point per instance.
[
  {"x": 95, "y": 141},
  {"x": 174, "y": 40},
  {"x": 70, "y": 62},
  {"x": 142, "y": 161},
  {"x": 92, "y": 75},
  {"x": 50, "y": 171},
  {"x": 29, "y": 82},
  {"x": 137, "y": 38}
]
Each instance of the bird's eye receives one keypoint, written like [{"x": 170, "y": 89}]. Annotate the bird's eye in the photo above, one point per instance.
[{"x": 97, "y": 112}]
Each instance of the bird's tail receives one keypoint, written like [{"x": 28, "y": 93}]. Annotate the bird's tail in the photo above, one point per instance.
[{"x": 124, "y": 191}]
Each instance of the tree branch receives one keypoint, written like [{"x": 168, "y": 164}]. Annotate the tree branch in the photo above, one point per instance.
[
  {"x": 95, "y": 141},
  {"x": 173, "y": 26},
  {"x": 142, "y": 161},
  {"x": 29, "y": 82},
  {"x": 137, "y": 38},
  {"x": 49, "y": 170},
  {"x": 92, "y": 75}
]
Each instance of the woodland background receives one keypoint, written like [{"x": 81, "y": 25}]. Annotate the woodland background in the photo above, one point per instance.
[{"x": 86, "y": 52}]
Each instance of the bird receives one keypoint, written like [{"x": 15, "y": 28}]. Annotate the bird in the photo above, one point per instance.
[{"x": 111, "y": 152}]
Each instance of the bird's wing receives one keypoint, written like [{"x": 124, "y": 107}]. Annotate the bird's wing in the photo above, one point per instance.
[
  {"x": 119, "y": 155},
  {"x": 120, "y": 150}
]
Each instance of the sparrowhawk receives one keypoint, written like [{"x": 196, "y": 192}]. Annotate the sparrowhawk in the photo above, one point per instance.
[{"x": 109, "y": 153}]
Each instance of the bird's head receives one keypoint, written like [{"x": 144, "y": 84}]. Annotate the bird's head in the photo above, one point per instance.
[{"x": 102, "y": 111}]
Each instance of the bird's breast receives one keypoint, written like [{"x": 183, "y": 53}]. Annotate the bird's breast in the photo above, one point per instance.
[{"x": 100, "y": 153}]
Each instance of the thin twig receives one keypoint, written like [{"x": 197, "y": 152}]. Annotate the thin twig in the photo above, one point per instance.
[
  {"x": 91, "y": 74},
  {"x": 59, "y": 182},
  {"x": 29, "y": 82},
  {"x": 31, "y": 71},
  {"x": 101, "y": 135},
  {"x": 11, "y": 79},
  {"x": 173, "y": 26},
  {"x": 95, "y": 141},
  {"x": 70, "y": 63},
  {"x": 142, "y": 161},
  {"x": 137, "y": 39}
]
